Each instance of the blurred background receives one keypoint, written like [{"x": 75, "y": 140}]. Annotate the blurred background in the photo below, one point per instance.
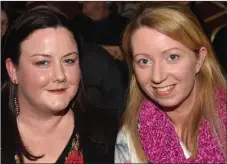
[{"x": 211, "y": 14}]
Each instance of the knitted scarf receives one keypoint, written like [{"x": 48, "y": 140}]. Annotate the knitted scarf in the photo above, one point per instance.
[{"x": 161, "y": 143}]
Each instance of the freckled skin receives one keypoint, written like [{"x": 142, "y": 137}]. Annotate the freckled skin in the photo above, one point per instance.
[
  {"x": 160, "y": 69},
  {"x": 35, "y": 80}
]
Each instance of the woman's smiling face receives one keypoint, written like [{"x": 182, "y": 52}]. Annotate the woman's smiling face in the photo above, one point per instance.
[
  {"x": 165, "y": 69},
  {"x": 48, "y": 73}
]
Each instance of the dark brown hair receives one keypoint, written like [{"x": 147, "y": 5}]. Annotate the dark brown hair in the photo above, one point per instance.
[{"x": 37, "y": 18}]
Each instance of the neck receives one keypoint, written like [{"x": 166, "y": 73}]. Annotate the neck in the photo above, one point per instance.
[
  {"x": 41, "y": 121},
  {"x": 178, "y": 114},
  {"x": 96, "y": 14},
  {"x": 43, "y": 125}
]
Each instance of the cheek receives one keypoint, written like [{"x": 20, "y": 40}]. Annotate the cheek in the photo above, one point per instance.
[
  {"x": 185, "y": 74},
  {"x": 184, "y": 69},
  {"x": 31, "y": 78},
  {"x": 142, "y": 75},
  {"x": 73, "y": 75}
]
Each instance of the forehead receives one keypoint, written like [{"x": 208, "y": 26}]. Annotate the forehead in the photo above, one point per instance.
[
  {"x": 49, "y": 41},
  {"x": 148, "y": 38}
]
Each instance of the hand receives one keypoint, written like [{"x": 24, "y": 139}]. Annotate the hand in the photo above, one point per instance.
[{"x": 114, "y": 51}]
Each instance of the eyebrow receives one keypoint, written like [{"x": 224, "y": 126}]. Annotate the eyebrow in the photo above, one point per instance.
[
  {"x": 174, "y": 48},
  {"x": 141, "y": 54},
  {"x": 49, "y": 56}
]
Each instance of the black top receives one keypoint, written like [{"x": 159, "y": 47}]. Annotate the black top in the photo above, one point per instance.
[
  {"x": 67, "y": 154},
  {"x": 104, "y": 80},
  {"x": 107, "y": 31},
  {"x": 88, "y": 143}
]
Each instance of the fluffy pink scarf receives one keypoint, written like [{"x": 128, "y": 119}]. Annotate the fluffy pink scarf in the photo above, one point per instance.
[{"x": 161, "y": 143}]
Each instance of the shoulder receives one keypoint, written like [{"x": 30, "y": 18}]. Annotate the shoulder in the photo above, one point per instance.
[{"x": 124, "y": 150}]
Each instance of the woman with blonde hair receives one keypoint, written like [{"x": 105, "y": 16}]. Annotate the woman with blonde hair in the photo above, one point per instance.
[{"x": 176, "y": 110}]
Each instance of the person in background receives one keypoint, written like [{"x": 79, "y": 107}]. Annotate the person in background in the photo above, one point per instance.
[
  {"x": 102, "y": 86},
  {"x": 4, "y": 28},
  {"x": 105, "y": 76},
  {"x": 176, "y": 110},
  {"x": 4, "y": 22},
  {"x": 126, "y": 8},
  {"x": 98, "y": 25},
  {"x": 102, "y": 78}
]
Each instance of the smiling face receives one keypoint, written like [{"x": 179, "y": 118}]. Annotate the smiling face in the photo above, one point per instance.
[
  {"x": 48, "y": 73},
  {"x": 165, "y": 69}
]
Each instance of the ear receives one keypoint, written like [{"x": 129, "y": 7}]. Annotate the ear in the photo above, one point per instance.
[
  {"x": 201, "y": 58},
  {"x": 11, "y": 69}
]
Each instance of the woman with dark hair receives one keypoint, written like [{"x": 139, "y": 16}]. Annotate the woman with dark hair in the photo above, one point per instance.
[
  {"x": 42, "y": 60},
  {"x": 46, "y": 115}
]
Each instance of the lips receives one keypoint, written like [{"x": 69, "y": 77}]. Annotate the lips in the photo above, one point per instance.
[
  {"x": 162, "y": 91},
  {"x": 58, "y": 91}
]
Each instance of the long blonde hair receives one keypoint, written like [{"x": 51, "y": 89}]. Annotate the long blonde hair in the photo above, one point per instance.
[{"x": 177, "y": 22}]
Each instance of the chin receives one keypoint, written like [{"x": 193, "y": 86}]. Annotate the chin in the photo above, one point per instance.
[
  {"x": 168, "y": 103},
  {"x": 58, "y": 107}
]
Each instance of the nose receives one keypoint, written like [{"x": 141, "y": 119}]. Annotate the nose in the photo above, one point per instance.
[
  {"x": 59, "y": 73},
  {"x": 159, "y": 73}
]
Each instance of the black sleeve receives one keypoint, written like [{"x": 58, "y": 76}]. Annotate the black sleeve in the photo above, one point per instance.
[{"x": 102, "y": 77}]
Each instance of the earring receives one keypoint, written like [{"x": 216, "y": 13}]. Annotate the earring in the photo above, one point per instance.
[
  {"x": 17, "y": 107},
  {"x": 14, "y": 81},
  {"x": 72, "y": 105}
]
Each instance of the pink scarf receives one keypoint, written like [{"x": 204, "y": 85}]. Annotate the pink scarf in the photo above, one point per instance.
[{"x": 161, "y": 143}]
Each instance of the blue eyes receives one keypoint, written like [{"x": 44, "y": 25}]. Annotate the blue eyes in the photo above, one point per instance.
[
  {"x": 45, "y": 63},
  {"x": 170, "y": 58}
]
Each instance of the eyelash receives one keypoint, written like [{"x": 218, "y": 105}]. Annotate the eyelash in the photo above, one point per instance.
[
  {"x": 141, "y": 60},
  {"x": 45, "y": 63},
  {"x": 172, "y": 56},
  {"x": 69, "y": 61},
  {"x": 41, "y": 63}
]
